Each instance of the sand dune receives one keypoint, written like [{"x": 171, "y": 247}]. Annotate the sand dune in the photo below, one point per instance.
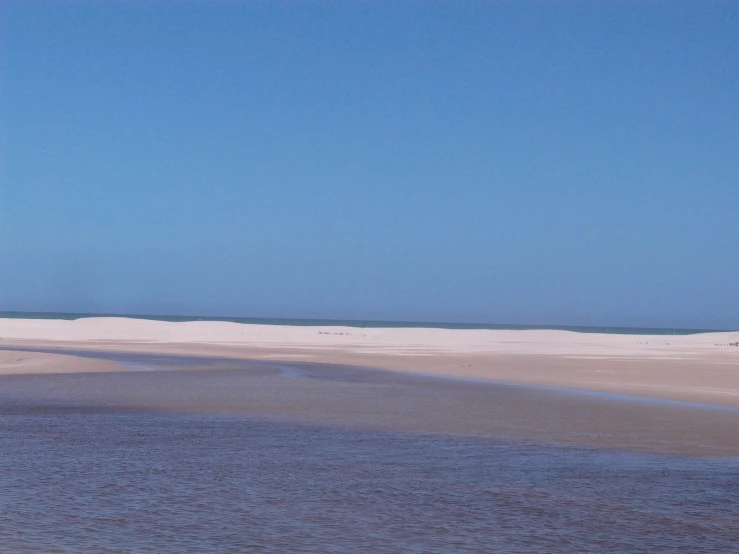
[
  {"x": 701, "y": 367},
  {"x": 397, "y": 340}
]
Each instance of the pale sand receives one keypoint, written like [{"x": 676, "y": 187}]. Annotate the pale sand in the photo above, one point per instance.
[
  {"x": 212, "y": 374},
  {"x": 12, "y": 362},
  {"x": 700, "y": 368}
]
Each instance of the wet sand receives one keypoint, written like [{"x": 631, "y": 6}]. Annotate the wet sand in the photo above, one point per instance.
[
  {"x": 710, "y": 379},
  {"x": 672, "y": 394},
  {"x": 349, "y": 397},
  {"x": 29, "y": 362}
]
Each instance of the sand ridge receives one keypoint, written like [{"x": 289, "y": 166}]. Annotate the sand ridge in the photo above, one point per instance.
[{"x": 14, "y": 362}]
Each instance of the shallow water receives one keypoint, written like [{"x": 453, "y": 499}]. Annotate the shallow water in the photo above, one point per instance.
[
  {"x": 222, "y": 455},
  {"x": 332, "y": 395},
  {"x": 142, "y": 482}
]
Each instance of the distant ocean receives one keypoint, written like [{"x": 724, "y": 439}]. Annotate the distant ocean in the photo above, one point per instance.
[{"x": 367, "y": 323}]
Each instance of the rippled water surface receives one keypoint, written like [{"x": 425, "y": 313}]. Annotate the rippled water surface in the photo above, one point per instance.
[{"x": 87, "y": 482}]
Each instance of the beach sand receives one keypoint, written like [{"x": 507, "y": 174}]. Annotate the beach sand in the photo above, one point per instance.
[
  {"x": 674, "y": 394},
  {"x": 19, "y": 362},
  {"x": 700, "y": 368}
]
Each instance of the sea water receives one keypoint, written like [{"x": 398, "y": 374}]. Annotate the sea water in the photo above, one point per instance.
[{"x": 365, "y": 323}]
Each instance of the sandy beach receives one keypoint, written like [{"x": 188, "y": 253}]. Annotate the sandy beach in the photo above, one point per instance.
[
  {"x": 15, "y": 362},
  {"x": 700, "y": 368},
  {"x": 673, "y": 394}
]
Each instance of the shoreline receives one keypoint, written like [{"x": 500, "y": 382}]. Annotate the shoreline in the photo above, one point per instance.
[
  {"x": 702, "y": 368},
  {"x": 109, "y": 360},
  {"x": 366, "y": 324},
  {"x": 624, "y": 392},
  {"x": 332, "y": 396}
]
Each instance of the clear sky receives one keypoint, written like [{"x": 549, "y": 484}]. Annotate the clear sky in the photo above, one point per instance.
[{"x": 508, "y": 162}]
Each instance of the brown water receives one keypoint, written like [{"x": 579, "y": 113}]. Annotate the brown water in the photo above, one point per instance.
[{"x": 290, "y": 458}]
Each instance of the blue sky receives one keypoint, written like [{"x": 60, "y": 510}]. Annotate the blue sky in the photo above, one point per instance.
[{"x": 507, "y": 162}]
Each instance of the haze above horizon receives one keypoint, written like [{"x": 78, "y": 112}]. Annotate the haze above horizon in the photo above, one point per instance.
[{"x": 549, "y": 163}]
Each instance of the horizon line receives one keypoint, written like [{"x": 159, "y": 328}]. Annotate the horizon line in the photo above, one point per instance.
[{"x": 347, "y": 322}]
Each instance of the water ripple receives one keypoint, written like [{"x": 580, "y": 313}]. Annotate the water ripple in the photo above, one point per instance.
[{"x": 154, "y": 483}]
